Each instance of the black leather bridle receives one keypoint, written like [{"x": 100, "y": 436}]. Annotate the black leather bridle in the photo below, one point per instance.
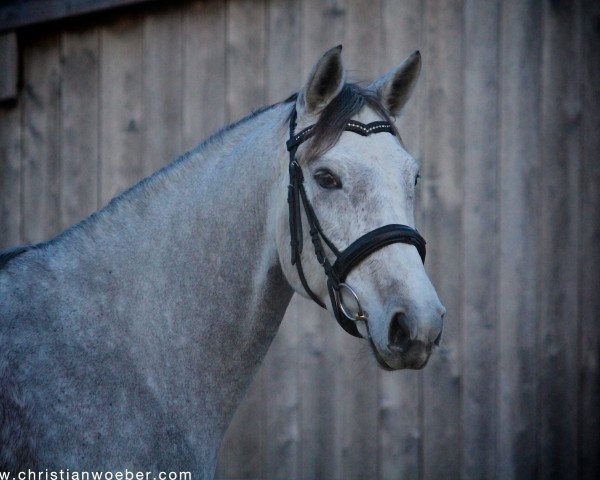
[{"x": 358, "y": 250}]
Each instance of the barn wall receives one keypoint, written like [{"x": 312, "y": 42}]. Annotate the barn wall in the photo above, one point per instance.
[{"x": 506, "y": 122}]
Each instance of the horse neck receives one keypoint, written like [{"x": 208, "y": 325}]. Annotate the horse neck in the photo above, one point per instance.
[{"x": 188, "y": 271}]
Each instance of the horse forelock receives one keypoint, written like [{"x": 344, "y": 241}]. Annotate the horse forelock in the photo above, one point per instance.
[{"x": 334, "y": 117}]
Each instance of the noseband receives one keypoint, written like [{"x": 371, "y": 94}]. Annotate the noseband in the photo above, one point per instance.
[{"x": 360, "y": 249}]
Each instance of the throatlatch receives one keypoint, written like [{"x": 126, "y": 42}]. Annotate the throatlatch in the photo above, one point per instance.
[{"x": 353, "y": 254}]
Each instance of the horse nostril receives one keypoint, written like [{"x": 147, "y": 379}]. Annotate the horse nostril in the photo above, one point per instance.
[
  {"x": 438, "y": 339},
  {"x": 399, "y": 334}
]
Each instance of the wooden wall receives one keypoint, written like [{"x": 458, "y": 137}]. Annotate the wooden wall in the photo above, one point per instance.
[{"x": 506, "y": 121}]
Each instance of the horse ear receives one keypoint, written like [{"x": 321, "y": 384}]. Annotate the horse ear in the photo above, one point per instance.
[
  {"x": 395, "y": 87},
  {"x": 324, "y": 83}
]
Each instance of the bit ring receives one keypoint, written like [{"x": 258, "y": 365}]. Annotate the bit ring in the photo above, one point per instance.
[{"x": 360, "y": 314}]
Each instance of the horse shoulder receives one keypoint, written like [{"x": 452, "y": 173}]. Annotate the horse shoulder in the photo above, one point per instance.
[
  {"x": 15, "y": 432},
  {"x": 16, "y": 453}
]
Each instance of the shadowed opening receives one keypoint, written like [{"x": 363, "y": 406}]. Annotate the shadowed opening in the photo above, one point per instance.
[{"x": 399, "y": 334}]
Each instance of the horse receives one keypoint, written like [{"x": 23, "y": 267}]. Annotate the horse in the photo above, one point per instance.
[{"x": 128, "y": 340}]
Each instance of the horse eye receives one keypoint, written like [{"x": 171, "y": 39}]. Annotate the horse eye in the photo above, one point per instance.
[
  {"x": 326, "y": 179},
  {"x": 417, "y": 179}
]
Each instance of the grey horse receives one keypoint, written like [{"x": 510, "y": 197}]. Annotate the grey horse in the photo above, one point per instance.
[{"x": 128, "y": 341}]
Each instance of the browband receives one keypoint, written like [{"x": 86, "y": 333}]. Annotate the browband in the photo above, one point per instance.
[
  {"x": 358, "y": 250},
  {"x": 351, "y": 126}
]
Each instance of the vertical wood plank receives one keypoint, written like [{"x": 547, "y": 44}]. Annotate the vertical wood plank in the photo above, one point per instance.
[
  {"x": 323, "y": 23},
  {"x": 589, "y": 245},
  {"x": 283, "y": 56},
  {"x": 402, "y": 34},
  {"x": 400, "y": 393},
  {"x": 9, "y": 56},
  {"x": 79, "y": 124},
  {"x": 518, "y": 306},
  {"x": 121, "y": 110},
  {"x": 479, "y": 246},
  {"x": 358, "y": 393},
  {"x": 442, "y": 194},
  {"x": 203, "y": 70},
  {"x": 10, "y": 176},
  {"x": 560, "y": 130},
  {"x": 282, "y": 399},
  {"x": 244, "y": 446},
  {"x": 245, "y": 57},
  {"x": 162, "y": 94},
  {"x": 41, "y": 138},
  {"x": 282, "y": 402}
]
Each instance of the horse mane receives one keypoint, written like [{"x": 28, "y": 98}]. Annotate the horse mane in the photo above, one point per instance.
[{"x": 12, "y": 252}]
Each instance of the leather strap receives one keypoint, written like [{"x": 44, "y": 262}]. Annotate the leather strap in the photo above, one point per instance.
[
  {"x": 369, "y": 243},
  {"x": 359, "y": 249},
  {"x": 364, "y": 129}
]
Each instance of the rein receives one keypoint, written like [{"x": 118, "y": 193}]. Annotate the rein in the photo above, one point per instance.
[{"x": 357, "y": 251}]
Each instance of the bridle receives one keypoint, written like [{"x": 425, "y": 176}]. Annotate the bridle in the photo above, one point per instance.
[{"x": 358, "y": 250}]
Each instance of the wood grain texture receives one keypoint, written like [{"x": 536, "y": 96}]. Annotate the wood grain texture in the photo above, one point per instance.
[
  {"x": 589, "y": 246},
  {"x": 10, "y": 176},
  {"x": 41, "y": 147},
  {"x": 518, "y": 304},
  {"x": 400, "y": 394},
  {"x": 9, "y": 60},
  {"x": 80, "y": 93},
  {"x": 479, "y": 244},
  {"x": 561, "y": 130},
  {"x": 282, "y": 399},
  {"x": 162, "y": 90},
  {"x": 203, "y": 91},
  {"x": 245, "y": 44},
  {"x": 121, "y": 110},
  {"x": 442, "y": 196},
  {"x": 283, "y": 52},
  {"x": 19, "y": 13}
]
